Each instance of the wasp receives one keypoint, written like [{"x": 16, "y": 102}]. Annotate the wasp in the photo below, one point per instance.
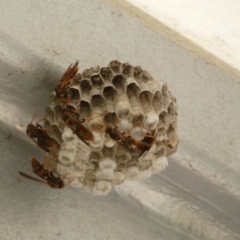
[
  {"x": 114, "y": 133},
  {"x": 39, "y": 135},
  {"x": 72, "y": 119},
  {"x": 119, "y": 137},
  {"x": 65, "y": 82},
  {"x": 149, "y": 138},
  {"x": 49, "y": 178},
  {"x": 145, "y": 144},
  {"x": 41, "y": 138}
]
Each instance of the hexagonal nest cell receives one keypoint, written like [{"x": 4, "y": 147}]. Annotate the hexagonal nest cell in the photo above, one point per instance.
[{"x": 112, "y": 124}]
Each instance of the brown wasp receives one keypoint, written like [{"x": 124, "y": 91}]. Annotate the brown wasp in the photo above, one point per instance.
[
  {"x": 65, "y": 82},
  {"x": 119, "y": 137},
  {"x": 49, "y": 178},
  {"x": 72, "y": 118},
  {"x": 145, "y": 144},
  {"x": 128, "y": 141},
  {"x": 39, "y": 135},
  {"x": 114, "y": 133},
  {"x": 149, "y": 138}
]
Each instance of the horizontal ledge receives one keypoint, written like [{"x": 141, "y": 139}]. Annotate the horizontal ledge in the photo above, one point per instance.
[
  {"x": 178, "y": 213},
  {"x": 196, "y": 26}
]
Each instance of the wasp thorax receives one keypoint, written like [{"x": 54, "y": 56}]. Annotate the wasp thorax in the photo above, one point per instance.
[{"x": 115, "y": 123}]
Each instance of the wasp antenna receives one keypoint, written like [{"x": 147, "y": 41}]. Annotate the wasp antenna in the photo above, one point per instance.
[
  {"x": 41, "y": 119},
  {"x": 34, "y": 116},
  {"x": 116, "y": 123},
  {"x": 44, "y": 117},
  {"x": 30, "y": 177},
  {"x": 102, "y": 114},
  {"x": 142, "y": 129},
  {"x": 50, "y": 128}
]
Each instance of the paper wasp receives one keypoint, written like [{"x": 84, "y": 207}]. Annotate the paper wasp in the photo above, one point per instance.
[
  {"x": 72, "y": 119},
  {"x": 114, "y": 133},
  {"x": 39, "y": 135},
  {"x": 128, "y": 141},
  {"x": 50, "y": 179},
  {"x": 65, "y": 82},
  {"x": 120, "y": 138},
  {"x": 145, "y": 144}
]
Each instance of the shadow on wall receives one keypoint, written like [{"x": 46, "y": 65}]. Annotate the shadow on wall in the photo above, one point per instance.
[{"x": 18, "y": 59}]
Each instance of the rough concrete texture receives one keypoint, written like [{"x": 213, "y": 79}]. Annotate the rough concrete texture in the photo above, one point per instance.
[
  {"x": 196, "y": 197},
  {"x": 198, "y": 26}
]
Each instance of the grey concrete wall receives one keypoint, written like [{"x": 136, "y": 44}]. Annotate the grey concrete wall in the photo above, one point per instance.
[{"x": 197, "y": 197}]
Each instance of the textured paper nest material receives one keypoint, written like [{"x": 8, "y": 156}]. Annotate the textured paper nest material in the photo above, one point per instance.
[{"x": 121, "y": 95}]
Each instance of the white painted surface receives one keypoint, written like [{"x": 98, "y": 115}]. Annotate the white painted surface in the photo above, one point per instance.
[
  {"x": 211, "y": 29},
  {"x": 194, "y": 198}
]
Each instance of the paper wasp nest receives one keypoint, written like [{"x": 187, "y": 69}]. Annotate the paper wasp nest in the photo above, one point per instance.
[{"x": 120, "y": 96}]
